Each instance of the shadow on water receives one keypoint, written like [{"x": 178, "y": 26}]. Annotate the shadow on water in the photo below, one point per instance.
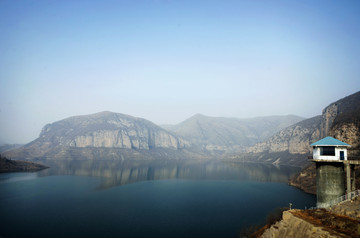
[{"x": 117, "y": 172}]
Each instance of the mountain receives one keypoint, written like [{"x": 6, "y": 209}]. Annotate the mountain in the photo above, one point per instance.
[
  {"x": 6, "y": 147},
  {"x": 115, "y": 135},
  {"x": 100, "y": 135},
  {"x": 277, "y": 139},
  {"x": 291, "y": 145},
  {"x": 230, "y": 134}
]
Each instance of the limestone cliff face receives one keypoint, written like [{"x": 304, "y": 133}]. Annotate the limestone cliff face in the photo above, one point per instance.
[
  {"x": 109, "y": 130},
  {"x": 133, "y": 139},
  {"x": 328, "y": 116},
  {"x": 294, "y": 139},
  {"x": 101, "y": 130},
  {"x": 346, "y": 125},
  {"x": 349, "y": 133}
]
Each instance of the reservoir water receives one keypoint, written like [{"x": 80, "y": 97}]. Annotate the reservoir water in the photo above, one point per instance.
[{"x": 144, "y": 199}]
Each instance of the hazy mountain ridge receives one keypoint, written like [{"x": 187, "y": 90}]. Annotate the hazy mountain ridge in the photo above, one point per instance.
[
  {"x": 274, "y": 139},
  {"x": 6, "y": 147},
  {"x": 119, "y": 136},
  {"x": 230, "y": 134}
]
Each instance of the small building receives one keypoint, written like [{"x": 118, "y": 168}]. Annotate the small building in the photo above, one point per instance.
[{"x": 330, "y": 149}]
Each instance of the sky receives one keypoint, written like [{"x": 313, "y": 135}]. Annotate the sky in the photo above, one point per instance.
[{"x": 166, "y": 60}]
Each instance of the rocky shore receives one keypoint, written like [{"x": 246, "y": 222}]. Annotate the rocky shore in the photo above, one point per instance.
[
  {"x": 305, "y": 179},
  {"x": 342, "y": 220}
]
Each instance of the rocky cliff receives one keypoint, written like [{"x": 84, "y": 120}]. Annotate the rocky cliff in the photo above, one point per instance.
[
  {"x": 342, "y": 111},
  {"x": 98, "y": 133},
  {"x": 346, "y": 125},
  {"x": 289, "y": 146},
  {"x": 294, "y": 139}
]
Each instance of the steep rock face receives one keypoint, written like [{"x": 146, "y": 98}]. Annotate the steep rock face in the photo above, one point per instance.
[
  {"x": 341, "y": 111},
  {"x": 328, "y": 116},
  {"x": 230, "y": 134},
  {"x": 100, "y": 130},
  {"x": 294, "y": 139},
  {"x": 349, "y": 133},
  {"x": 346, "y": 125}
]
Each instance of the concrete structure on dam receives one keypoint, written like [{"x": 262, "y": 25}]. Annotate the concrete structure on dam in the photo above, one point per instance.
[{"x": 330, "y": 156}]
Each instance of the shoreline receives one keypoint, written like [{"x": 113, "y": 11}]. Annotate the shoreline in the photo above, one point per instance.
[{"x": 12, "y": 166}]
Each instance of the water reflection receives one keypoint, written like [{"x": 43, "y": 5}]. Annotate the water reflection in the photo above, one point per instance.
[
  {"x": 116, "y": 173},
  {"x": 15, "y": 177}
]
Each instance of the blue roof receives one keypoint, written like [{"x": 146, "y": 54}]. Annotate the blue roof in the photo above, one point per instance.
[{"x": 329, "y": 141}]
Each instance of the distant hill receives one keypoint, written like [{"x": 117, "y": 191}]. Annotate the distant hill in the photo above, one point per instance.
[
  {"x": 104, "y": 134},
  {"x": 291, "y": 145},
  {"x": 6, "y": 147},
  {"x": 230, "y": 134}
]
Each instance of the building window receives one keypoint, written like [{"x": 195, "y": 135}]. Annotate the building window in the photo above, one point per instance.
[{"x": 327, "y": 151}]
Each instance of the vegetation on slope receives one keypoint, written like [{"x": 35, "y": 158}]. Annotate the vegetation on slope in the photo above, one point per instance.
[{"x": 8, "y": 165}]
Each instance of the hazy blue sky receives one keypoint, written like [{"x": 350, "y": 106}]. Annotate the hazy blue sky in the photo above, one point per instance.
[{"x": 165, "y": 60}]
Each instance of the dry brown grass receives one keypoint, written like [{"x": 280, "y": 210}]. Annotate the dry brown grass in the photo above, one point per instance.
[{"x": 333, "y": 223}]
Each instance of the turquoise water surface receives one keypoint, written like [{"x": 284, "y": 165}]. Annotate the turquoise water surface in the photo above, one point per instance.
[{"x": 65, "y": 202}]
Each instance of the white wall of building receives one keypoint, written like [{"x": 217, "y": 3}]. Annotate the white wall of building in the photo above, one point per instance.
[{"x": 317, "y": 156}]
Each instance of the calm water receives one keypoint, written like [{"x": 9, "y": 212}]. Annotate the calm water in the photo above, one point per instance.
[{"x": 143, "y": 199}]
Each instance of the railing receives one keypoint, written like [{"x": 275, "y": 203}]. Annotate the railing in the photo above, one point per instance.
[
  {"x": 310, "y": 157},
  {"x": 338, "y": 200}
]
